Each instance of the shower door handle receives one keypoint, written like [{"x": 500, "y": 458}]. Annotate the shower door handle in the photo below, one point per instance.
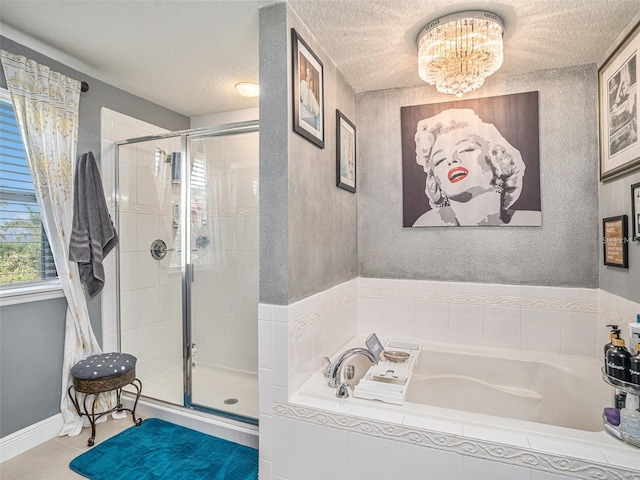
[{"x": 190, "y": 274}]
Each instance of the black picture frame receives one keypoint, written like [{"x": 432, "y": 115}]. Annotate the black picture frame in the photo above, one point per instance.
[
  {"x": 635, "y": 211},
  {"x": 346, "y": 160},
  {"x": 615, "y": 241},
  {"x": 618, "y": 112},
  {"x": 308, "y": 98}
]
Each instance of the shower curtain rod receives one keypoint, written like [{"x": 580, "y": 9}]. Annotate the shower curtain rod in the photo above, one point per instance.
[{"x": 84, "y": 87}]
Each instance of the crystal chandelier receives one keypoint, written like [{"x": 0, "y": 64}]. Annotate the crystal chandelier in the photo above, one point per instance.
[{"x": 457, "y": 52}]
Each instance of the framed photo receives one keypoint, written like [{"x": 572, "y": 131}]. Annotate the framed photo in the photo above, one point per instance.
[
  {"x": 345, "y": 153},
  {"x": 635, "y": 211},
  {"x": 472, "y": 163},
  {"x": 308, "y": 92},
  {"x": 615, "y": 241},
  {"x": 618, "y": 105}
]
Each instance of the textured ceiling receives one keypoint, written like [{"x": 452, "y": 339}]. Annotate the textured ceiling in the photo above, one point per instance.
[
  {"x": 184, "y": 55},
  {"x": 187, "y": 55},
  {"x": 373, "y": 42}
]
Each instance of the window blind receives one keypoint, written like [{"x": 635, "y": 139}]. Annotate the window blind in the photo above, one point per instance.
[{"x": 25, "y": 254}]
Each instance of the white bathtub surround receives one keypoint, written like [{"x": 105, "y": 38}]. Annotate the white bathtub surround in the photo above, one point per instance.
[
  {"x": 292, "y": 341},
  {"x": 359, "y": 435}
]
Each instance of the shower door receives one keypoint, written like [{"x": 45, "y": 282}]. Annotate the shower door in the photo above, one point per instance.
[
  {"x": 188, "y": 267},
  {"x": 223, "y": 271}
]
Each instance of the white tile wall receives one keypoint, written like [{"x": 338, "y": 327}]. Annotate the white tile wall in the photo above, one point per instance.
[
  {"x": 479, "y": 469},
  {"x": 514, "y": 317}
]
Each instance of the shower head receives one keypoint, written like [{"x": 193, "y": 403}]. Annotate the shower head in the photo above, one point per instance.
[{"x": 162, "y": 156}]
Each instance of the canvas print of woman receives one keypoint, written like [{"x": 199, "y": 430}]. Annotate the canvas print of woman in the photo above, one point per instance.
[{"x": 473, "y": 175}]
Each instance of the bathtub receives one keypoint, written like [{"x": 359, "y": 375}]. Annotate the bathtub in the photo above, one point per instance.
[
  {"x": 547, "y": 409},
  {"x": 561, "y": 391}
]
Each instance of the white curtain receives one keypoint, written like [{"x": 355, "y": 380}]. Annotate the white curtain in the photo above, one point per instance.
[{"x": 46, "y": 105}]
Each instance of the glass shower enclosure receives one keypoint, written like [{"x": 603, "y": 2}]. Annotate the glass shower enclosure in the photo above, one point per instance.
[{"x": 187, "y": 266}]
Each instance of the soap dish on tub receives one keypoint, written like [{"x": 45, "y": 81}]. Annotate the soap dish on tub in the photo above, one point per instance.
[{"x": 396, "y": 356}]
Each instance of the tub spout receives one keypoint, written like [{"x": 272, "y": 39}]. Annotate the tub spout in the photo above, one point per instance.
[{"x": 335, "y": 370}]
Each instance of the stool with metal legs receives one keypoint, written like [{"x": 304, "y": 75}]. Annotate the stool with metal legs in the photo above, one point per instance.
[{"x": 100, "y": 374}]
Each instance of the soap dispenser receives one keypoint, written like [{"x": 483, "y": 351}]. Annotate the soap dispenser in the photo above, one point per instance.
[
  {"x": 630, "y": 421},
  {"x": 614, "y": 333},
  {"x": 618, "y": 361}
]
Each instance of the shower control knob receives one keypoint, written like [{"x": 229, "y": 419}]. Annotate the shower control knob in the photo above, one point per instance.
[{"x": 159, "y": 249}]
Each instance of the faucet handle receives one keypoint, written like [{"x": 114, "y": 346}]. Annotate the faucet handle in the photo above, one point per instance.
[{"x": 327, "y": 367}]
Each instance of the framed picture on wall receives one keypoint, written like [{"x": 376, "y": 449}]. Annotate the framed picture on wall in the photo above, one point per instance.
[
  {"x": 308, "y": 92},
  {"x": 470, "y": 163},
  {"x": 615, "y": 241},
  {"x": 635, "y": 211},
  {"x": 345, "y": 153},
  {"x": 618, "y": 105}
]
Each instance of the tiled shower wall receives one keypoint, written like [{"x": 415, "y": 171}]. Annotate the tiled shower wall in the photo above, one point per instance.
[
  {"x": 225, "y": 291},
  {"x": 150, "y": 291}
]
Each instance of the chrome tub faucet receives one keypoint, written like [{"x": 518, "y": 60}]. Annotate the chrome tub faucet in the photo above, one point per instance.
[{"x": 333, "y": 372}]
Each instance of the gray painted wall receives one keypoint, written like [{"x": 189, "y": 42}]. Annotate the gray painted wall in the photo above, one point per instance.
[
  {"x": 31, "y": 340},
  {"x": 308, "y": 227},
  {"x": 563, "y": 252},
  {"x": 274, "y": 160},
  {"x": 33, "y": 333},
  {"x": 615, "y": 199}
]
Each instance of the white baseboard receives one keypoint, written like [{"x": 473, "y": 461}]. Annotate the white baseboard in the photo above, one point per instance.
[{"x": 29, "y": 437}]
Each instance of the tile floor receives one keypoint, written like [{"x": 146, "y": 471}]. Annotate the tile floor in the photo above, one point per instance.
[{"x": 51, "y": 459}]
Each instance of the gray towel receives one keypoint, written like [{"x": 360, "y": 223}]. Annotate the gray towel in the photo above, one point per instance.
[{"x": 93, "y": 235}]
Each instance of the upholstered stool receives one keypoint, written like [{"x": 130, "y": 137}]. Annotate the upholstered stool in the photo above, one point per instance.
[{"x": 101, "y": 374}]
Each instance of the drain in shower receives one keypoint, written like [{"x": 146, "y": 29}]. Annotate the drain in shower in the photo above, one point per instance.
[{"x": 231, "y": 401}]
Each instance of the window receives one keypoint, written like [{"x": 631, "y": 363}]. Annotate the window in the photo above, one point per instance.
[{"x": 25, "y": 255}]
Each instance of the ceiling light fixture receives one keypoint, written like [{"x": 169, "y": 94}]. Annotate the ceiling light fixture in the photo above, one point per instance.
[
  {"x": 248, "y": 89},
  {"x": 458, "y": 51}
]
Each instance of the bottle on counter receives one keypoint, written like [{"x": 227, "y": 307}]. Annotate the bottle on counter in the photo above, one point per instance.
[
  {"x": 634, "y": 333},
  {"x": 614, "y": 333},
  {"x": 618, "y": 361},
  {"x": 630, "y": 420},
  {"x": 634, "y": 367}
]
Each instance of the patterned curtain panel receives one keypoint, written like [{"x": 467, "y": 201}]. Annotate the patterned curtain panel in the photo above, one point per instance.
[{"x": 46, "y": 105}]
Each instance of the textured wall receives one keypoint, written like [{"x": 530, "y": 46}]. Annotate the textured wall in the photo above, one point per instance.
[
  {"x": 41, "y": 339},
  {"x": 322, "y": 217},
  {"x": 308, "y": 226},
  {"x": 274, "y": 162},
  {"x": 563, "y": 252},
  {"x": 615, "y": 199}
]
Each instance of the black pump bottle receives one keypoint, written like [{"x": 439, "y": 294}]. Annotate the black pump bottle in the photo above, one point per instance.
[
  {"x": 615, "y": 333},
  {"x": 618, "y": 361}
]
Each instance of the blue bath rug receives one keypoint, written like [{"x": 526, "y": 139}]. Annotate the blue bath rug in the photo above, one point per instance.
[{"x": 161, "y": 450}]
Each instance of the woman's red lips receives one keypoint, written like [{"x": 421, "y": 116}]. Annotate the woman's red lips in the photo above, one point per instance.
[{"x": 457, "y": 174}]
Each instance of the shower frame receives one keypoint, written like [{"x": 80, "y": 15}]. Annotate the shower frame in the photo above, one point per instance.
[{"x": 187, "y": 268}]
